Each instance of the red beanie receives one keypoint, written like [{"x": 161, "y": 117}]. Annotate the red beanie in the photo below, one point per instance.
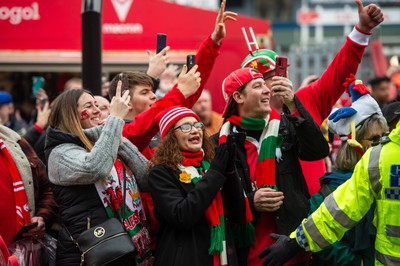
[
  {"x": 237, "y": 79},
  {"x": 167, "y": 118}
]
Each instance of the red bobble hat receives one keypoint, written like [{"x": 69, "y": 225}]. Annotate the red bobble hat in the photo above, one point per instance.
[{"x": 167, "y": 118}]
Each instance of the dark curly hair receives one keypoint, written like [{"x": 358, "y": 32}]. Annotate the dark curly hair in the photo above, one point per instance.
[{"x": 169, "y": 155}]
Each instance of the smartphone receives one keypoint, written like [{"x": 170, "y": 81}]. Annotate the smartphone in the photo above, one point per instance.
[
  {"x": 43, "y": 101},
  {"x": 37, "y": 84},
  {"x": 161, "y": 41},
  {"x": 125, "y": 83},
  {"x": 281, "y": 65},
  {"x": 24, "y": 230},
  {"x": 190, "y": 61}
]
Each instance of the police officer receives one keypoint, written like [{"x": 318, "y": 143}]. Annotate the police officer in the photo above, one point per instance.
[{"x": 376, "y": 178}]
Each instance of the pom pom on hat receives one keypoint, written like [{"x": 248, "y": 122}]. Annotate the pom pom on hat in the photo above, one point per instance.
[
  {"x": 236, "y": 80},
  {"x": 5, "y": 97},
  {"x": 261, "y": 60},
  {"x": 362, "y": 107},
  {"x": 167, "y": 118}
]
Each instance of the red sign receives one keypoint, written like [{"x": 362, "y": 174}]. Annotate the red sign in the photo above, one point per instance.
[
  {"x": 43, "y": 29},
  {"x": 307, "y": 17}
]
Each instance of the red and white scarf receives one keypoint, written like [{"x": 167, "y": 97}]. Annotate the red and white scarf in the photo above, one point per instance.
[
  {"x": 109, "y": 190},
  {"x": 269, "y": 150},
  {"x": 20, "y": 199}
]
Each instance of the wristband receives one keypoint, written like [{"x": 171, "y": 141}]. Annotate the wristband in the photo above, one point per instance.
[
  {"x": 38, "y": 128},
  {"x": 363, "y": 32}
]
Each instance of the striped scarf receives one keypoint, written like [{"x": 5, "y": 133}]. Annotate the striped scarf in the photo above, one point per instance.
[
  {"x": 215, "y": 212},
  {"x": 268, "y": 151},
  {"x": 110, "y": 191},
  {"x": 20, "y": 199}
]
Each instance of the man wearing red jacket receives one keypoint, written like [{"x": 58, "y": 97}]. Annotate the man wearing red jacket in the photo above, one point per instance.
[{"x": 320, "y": 96}]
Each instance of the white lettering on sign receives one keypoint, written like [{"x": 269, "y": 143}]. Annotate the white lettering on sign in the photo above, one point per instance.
[
  {"x": 16, "y": 14},
  {"x": 128, "y": 28}
]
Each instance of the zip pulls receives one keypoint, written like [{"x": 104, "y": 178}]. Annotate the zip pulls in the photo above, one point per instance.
[{"x": 88, "y": 222}]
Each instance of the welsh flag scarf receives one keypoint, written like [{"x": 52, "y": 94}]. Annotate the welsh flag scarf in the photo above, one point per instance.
[
  {"x": 110, "y": 191},
  {"x": 21, "y": 201},
  {"x": 192, "y": 170},
  {"x": 268, "y": 151}
]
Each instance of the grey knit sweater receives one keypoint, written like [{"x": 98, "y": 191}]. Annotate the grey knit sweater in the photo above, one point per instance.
[{"x": 70, "y": 164}]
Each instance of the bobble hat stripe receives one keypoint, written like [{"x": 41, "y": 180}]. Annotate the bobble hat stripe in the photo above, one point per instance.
[{"x": 171, "y": 115}]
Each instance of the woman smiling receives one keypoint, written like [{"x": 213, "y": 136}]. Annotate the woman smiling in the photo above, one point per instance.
[
  {"x": 87, "y": 164},
  {"x": 185, "y": 183}
]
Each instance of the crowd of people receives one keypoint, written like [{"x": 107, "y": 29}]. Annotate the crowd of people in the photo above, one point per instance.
[{"x": 191, "y": 186}]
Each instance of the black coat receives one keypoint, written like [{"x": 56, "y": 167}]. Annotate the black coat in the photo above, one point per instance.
[
  {"x": 184, "y": 235},
  {"x": 302, "y": 139},
  {"x": 78, "y": 205}
]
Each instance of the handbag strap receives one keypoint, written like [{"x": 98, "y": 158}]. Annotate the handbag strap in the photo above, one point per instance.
[
  {"x": 123, "y": 194},
  {"x": 123, "y": 204}
]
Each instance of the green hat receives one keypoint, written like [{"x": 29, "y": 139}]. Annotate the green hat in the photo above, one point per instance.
[{"x": 262, "y": 60}]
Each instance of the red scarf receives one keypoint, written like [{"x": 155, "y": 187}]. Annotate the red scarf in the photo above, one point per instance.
[
  {"x": 21, "y": 202},
  {"x": 268, "y": 149},
  {"x": 214, "y": 213}
]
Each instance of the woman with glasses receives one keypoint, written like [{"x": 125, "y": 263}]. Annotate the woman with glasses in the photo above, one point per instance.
[{"x": 185, "y": 182}]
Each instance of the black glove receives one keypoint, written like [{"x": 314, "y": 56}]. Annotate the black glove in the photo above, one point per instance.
[
  {"x": 221, "y": 158},
  {"x": 231, "y": 143},
  {"x": 283, "y": 250}
]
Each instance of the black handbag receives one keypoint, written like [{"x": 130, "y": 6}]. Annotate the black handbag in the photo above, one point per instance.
[{"x": 107, "y": 243}]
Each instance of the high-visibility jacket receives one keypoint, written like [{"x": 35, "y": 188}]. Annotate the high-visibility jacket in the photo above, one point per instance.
[{"x": 376, "y": 178}]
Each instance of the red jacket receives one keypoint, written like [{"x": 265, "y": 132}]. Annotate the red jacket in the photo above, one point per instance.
[
  {"x": 320, "y": 96},
  {"x": 144, "y": 127}
]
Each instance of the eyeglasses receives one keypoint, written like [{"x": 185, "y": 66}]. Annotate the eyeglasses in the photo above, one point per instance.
[
  {"x": 186, "y": 128},
  {"x": 376, "y": 139}
]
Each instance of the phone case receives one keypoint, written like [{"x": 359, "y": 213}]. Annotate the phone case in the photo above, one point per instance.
[
  {"x": 190, "y": 61},
  {"x": 37, "y": 83},
  {"x": 281, "y": 65},
  {"x": 161, "y": 41}
]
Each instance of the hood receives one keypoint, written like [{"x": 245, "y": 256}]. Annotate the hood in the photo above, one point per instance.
[
  {"x": 395, "y": 134},
  {"x": 55, "y": 137}
]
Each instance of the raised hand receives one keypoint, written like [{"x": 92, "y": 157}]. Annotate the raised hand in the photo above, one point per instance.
[
  {"x": 42, "y": 119},
  {"x": 189, "y": 82},
  {"x": 221, "y": 158},
  {"x": 157, "y": 62},
  {"x": 368, "y": 17},
  {"x": 220, "y": 31},
  {"x": 283, "y": 87},
  {"x": 119, "y": 104}
]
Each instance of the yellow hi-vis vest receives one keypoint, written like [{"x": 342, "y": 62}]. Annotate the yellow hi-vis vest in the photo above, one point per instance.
[{"x": 376, "y": 177}]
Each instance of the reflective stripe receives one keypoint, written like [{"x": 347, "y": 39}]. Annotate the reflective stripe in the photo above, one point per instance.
[
  {"x": 314, "y": 233},
  {"x": 387, "y": 259},
  {"x": 337, "y": 213},
  {"x": 393, "y": 230},
  {"x": 373, "y": 170}
]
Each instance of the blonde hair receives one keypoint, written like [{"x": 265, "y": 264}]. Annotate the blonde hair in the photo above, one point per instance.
[
  {"x": 347, "y": 156},
  {"x": 64, "y": 115}
]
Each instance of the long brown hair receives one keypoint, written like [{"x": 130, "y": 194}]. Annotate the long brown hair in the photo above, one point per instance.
[
  {"x": 169, "y": 154},
  {"x": 64, "y": 115}
]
